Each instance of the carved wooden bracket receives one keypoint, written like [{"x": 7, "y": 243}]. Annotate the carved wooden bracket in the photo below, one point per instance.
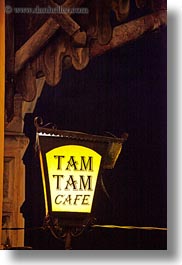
[{"x": 46, "y": 55}]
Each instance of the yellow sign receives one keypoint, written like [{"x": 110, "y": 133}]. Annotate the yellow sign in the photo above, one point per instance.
[{"x": 72, "y": 173}]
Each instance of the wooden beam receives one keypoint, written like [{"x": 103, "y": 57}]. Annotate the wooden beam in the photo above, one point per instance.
[
  {"x": 2, "y": 83},
  {"x": 125, "y": 33},
  {"x": 67, "y": 23},
  {"x": 42, "y": 35},
  {"x": 130, "y": 31},
  {"x": 70, "y": 27},
  {"x": 35, "y": 43},
  {"x": 122, "y": 34}
]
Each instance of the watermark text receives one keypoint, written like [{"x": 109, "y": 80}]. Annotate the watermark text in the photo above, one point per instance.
[{"x": 46, "y": 10}]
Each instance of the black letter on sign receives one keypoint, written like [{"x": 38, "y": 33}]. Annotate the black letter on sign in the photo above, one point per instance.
[
  {"x": 77, "y": 198},
  {"x": 58, "y": 181},
  {"x": 71, "y": 182},
  {"x": 85, "y": 165},
  {"x": 71, "y": 163},
  {"x": 56, "y": 199},
  {"x": 59, "y": 161},
  {"x": 68, "y": 199},
  {"x": 85, "y": 200},
  {"x": 85, "y": 184}
]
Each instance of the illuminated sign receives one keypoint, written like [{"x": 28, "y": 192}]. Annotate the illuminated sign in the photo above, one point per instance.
[
  {"x": 71, "y": 164},
  {"x": 72, "y": 174}
]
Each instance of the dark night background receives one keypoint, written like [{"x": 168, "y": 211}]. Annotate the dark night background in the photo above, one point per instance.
[{"x": 121, "y": 91}]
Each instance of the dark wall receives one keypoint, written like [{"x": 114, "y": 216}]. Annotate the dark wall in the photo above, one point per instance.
[{"x": 123, "y": 90}]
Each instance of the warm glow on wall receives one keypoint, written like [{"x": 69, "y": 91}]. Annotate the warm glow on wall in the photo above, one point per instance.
[
  {"x": 2, "y": 83},
  {"x": 2, "y": 79}
]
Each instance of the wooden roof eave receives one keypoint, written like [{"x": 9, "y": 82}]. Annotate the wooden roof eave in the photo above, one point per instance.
[
  {"x": 34, "y": 57},
  {"x": 122, "y": 34}
]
